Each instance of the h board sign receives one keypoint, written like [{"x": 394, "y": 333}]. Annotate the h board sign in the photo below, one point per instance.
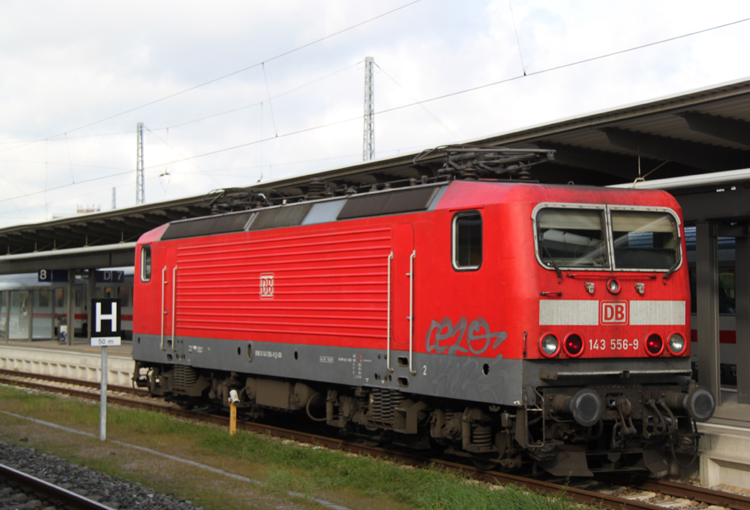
[{"x": 105, "y": 322}]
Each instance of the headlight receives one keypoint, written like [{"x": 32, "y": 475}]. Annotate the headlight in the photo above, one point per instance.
[
  {"x": 549, "y": 345},
  {"x": 613, "y": 286},
  {"x": 676, "y": 344}
]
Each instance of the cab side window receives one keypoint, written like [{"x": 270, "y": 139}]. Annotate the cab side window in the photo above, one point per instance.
[
  {"x": 467, "y": 241},
  {"x": 145, "y": 263}
]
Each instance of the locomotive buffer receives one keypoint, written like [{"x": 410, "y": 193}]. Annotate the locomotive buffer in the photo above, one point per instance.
[{"x": 106, "y": 331}]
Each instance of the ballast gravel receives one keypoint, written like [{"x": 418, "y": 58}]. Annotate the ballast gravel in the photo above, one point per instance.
[{"x": 99, "y": 487}]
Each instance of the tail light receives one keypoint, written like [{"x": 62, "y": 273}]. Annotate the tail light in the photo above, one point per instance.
[
  {"x": 654, "y": 345},
  {"x": 676, "y": 344},
  {"x": 573, "y": 345},
  {"x": 549, "y": 345}
]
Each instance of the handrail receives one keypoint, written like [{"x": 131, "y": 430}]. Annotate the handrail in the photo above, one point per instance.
[
  {"x": 411, "y": 311},
  {"x": 163, "y": 311},
  {"x": 174, "y": 304},
  {"x": 388, "y": 323}
]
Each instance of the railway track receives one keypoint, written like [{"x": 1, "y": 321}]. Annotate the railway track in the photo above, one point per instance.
[
  {"x": 20, "y": 490},
  {"x": 654, "y": 494}
]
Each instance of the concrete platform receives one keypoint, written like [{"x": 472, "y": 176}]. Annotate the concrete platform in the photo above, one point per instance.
[
  {"x": 77, "y": 361},
  {"x": 725, "y": 445}
]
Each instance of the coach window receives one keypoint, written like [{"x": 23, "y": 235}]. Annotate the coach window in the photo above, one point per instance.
[
  {"x": 145, "y": 263},
  {"x": 467, "y": 241}
]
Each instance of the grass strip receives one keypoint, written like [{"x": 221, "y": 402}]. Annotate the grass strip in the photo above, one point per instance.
[{"x": 355, "y": 481}]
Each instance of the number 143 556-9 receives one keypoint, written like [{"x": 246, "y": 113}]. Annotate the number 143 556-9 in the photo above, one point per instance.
[{"x": 615, "y": 344}]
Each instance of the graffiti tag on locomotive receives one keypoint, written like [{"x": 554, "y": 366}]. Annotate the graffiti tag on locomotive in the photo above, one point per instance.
[{"x": 445, "y": 337}]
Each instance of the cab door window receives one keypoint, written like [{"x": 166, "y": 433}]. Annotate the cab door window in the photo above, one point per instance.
[
  {"x": 145, "y": 263},
  {"x": 467, "y": 241}
]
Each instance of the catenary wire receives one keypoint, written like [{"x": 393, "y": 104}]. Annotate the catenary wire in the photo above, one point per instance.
[
  {"x": 245, "y": 107},
  {"x": 453, "y": 133},
  {"x": 518, "y": 40},
  {"x": 233, "y": 73},
  {"x": 200, "y": 119},
  {"x": 486, "y": 85},
  {"x": 436, "y": 98}
]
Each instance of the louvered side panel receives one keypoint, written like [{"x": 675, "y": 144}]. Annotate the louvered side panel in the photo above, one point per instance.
[{"x": 317, "y": 285}]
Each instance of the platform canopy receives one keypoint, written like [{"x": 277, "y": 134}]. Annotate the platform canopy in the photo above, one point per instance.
[{"x": 700, "y": 132}]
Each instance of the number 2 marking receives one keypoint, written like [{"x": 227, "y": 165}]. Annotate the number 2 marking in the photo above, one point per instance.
[{"x": 424, "y": 370}]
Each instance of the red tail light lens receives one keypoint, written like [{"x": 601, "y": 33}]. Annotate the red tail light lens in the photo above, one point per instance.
[
  {"x": 654, "y": 345},
  {"x": 573, "y": 345}
]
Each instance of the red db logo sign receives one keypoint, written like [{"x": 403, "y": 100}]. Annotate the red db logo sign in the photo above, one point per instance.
[
  {"x": 266, "y": 286},
  {"x": 614, "y": 312}
]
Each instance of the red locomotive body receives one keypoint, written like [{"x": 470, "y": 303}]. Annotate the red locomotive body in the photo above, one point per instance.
[{"x": 506, "y": 321}]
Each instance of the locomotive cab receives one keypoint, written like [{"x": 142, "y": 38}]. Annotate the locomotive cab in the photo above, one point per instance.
[{"x": 611, "y": 369}]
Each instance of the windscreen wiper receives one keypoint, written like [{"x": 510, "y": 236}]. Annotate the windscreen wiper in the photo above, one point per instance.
[
  {"x": 674, "y": 266},
  {"x": 551, "y": 259}
]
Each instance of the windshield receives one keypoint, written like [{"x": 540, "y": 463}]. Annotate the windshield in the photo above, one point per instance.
[
  {"x": 644, "y": 240},
  {"x": 571, "y": 237}
]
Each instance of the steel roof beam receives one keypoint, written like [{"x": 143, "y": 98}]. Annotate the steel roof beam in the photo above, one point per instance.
[
  {"x": 147, "y": 222},
  {"x": 698, "y": 155},
  {"x": 89, "y": 232},
  {"x": 21, "y": 239},
  {"x": 54, "y": 235},
  {"x": 173, "y": 214},
  {"x": 624, "y": 167},
  {"x": 725, "y": 128},
  {"x": 116, "y": 255},
  {"x": 129, "y": 226}
]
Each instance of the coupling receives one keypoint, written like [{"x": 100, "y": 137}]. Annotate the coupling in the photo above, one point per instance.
[
  {"x": 586, "y": 406},
  {"x": 698, "y": 403}
]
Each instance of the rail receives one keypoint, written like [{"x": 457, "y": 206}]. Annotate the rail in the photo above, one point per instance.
[{"x": 53, "y": 492}]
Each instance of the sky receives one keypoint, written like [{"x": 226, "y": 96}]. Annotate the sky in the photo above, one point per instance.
[{"x": 236, "y": 93}]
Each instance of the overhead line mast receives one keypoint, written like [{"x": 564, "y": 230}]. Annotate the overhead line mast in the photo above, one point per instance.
[
  {"x": 368, "y": 150},
  {"x": 139, "y": 181}
]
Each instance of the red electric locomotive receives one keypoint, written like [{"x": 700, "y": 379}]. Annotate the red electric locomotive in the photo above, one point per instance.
[{"x": 509, "y": 322}]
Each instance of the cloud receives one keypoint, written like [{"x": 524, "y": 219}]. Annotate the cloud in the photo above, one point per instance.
[{"x": 67, "y": 65}]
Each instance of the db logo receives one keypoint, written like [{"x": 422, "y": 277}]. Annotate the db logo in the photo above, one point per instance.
[
  {"x": 266, "y": 286},
  {"x": 614, "y": 312}
]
